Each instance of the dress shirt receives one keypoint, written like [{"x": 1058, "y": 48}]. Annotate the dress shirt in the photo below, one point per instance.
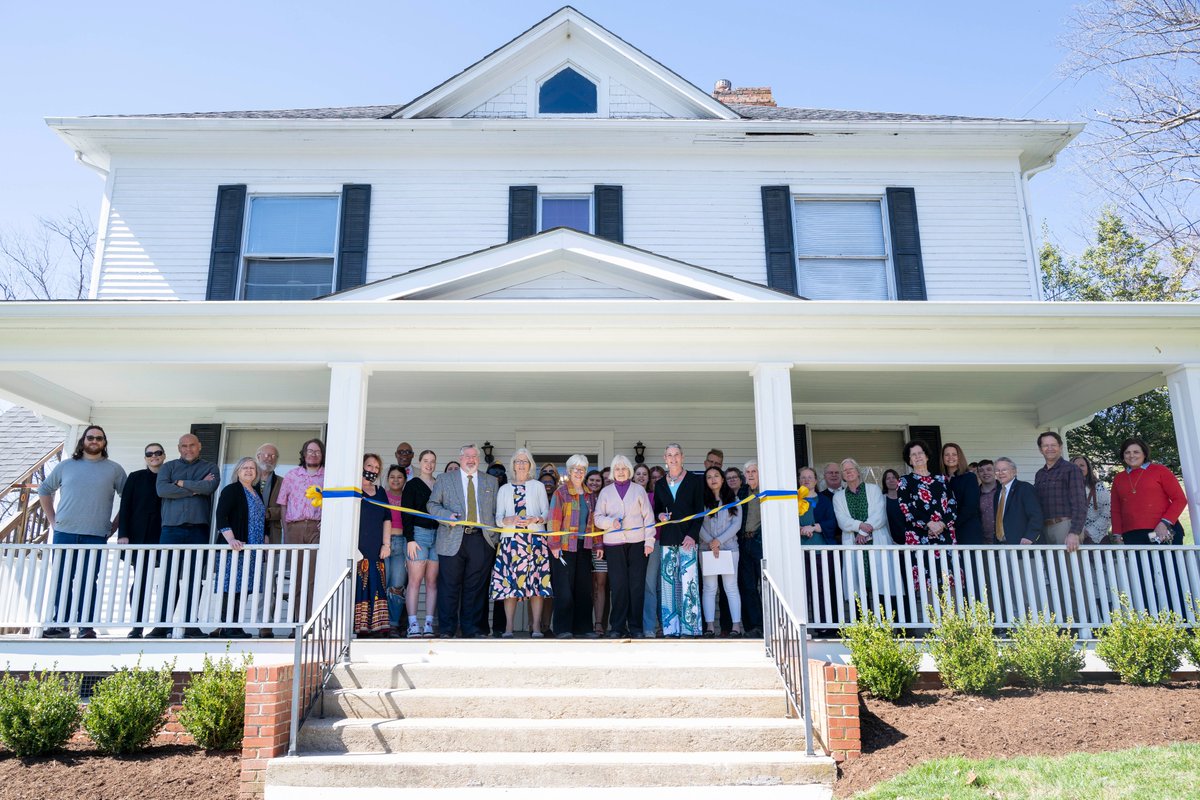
[
  {"x": 293, "y": 494},
  {"x": 475, "y": 516}
]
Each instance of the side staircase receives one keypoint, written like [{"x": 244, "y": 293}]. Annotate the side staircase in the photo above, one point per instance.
[{"x": 521, "y": 718}]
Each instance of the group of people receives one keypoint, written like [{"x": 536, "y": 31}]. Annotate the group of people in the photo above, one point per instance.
[{"x": 626, "y": 558}]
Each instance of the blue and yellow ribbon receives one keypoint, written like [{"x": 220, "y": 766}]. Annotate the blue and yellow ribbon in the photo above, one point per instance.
[{"x": 317, "y": 496}]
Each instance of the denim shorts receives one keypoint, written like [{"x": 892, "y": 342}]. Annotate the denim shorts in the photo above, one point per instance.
[{"x": 425, "y": 538}]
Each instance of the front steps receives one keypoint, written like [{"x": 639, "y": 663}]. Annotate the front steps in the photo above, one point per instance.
[{"x": 492, "y": 718}]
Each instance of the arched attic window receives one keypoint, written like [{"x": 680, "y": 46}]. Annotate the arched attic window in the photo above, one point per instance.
[{"x": 567, "y": 92}]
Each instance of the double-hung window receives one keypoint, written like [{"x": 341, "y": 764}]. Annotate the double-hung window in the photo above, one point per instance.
[
  {"x": 565, "y": 211},
  {"x": 290, "y": 248},
  {"x": 841, "y": 249}
]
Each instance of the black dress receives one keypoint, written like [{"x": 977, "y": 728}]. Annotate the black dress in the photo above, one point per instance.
[{"x": 370, "y": 585}]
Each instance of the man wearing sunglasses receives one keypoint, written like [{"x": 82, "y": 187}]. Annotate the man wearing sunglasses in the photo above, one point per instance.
[
  {"x": 86, "y": 485},
  {"x": 140, "y": 520}
]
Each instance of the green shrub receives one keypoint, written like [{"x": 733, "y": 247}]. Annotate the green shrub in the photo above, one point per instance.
[
  {"x": 886, "y": 663},
  {"x": 967, "y": 655},
  {"x": 39, "y": 714},
  {"x": 127, "y": 708},
  {"x": 1141, "y": 648},
  {"x": 214, "y": 704},
  {"x": 1043, "y": 654}
]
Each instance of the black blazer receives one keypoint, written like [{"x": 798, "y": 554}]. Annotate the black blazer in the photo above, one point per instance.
[
  {"x": 968, "y": 525},
  {"x": 1022, "y": 513},
  {"x": 140, "y": 517},
  {"x": 233, "y": 512},
  {"x": 688, "y": 500}
]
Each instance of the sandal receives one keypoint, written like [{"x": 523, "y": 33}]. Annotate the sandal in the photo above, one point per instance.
[
  {"x": 708, "y": 633},
  {"x": 736, "y": 633}
]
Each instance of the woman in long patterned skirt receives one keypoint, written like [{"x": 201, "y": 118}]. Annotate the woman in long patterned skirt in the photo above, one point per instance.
[
  {"x": 374, "y": 545},
  {"x": 522, "y": 567}
]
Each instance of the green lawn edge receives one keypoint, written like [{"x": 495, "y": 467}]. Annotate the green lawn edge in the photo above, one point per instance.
[{"x": 1140, "y": 773}]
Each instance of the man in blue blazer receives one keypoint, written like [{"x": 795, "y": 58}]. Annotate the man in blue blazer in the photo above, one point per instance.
[
  {"x": 1021, "y": 521},
  {"x": 466, "y": 553}
]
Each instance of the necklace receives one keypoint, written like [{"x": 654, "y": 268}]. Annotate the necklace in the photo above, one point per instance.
[{"x": 1134, "y": 484}]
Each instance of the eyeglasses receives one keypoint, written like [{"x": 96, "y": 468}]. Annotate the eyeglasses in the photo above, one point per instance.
[
  {"x": 312, "y": 452},
  {"x": 93, "y": 438},
  {"x": 404, "y": 452},
  {"x": 154, "y": 453}
]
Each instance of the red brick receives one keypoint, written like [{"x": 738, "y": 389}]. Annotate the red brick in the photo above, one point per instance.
[
  {"x": 841, "y": 699},
  {"x": 853, "y": 754}
]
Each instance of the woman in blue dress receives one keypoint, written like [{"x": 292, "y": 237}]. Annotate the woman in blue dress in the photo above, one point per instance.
[{"x": 241, "y": 520}]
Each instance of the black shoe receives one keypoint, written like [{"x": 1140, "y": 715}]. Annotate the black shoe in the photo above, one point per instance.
[
  {"x": 479, "y": 636},
  {"x": 136, "y": 633},
  {"x": 636, "y": 635},
  {"x": 591, "y": 635},
  {"x": 237, "y": 633},
  {"x": 56, "y": 633},
  {"x": 87, "y": 633},
  {"x": 266, "y": 633},
  {"x": 616, "y": 635},
  {"x": 219, "y": 633},
  {"x": 156, "y": 633},
  {"x": 194, "y": 633}
]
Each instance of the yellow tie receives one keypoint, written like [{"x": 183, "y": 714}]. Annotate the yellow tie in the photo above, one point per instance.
[
  {"x": 471, "y": 499},
  {"x": 1000, "y": 517}
]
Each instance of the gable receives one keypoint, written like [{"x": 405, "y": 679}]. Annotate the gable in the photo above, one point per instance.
[
  {"x": 506, "y": 83},
  {"x": 561, "y": 264}
]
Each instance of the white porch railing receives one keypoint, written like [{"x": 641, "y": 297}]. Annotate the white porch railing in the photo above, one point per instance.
[
  {"x": 904, "y": 582},
  {"x": 110, "y": 586}
]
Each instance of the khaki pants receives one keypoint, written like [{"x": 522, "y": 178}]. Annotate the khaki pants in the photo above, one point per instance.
[
  {"x": 304, "y": 531},
  {"x": 1056, "y": 533}
]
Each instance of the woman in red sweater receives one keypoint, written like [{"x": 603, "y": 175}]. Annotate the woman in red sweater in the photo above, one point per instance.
[{"x": 1147, "y": 500}]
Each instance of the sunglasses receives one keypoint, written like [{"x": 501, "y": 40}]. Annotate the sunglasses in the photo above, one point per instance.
[
  {"x": 93, "y": 438},
  {"x": 154, "y": 453},
  {"x": 404, "y": 452}
]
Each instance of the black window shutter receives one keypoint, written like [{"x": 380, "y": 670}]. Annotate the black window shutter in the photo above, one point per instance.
[
  {"x": 225, "y": 260},
  {"x": 522, "y": 212},
  {"x": 209, "y": 434},
  {"x": 932, "y": 436},
  {"x": 777, "y": 231},
  {"x": 609, "y": 213},
  {"x": 355, "y": 231},
  {"x": 906, "y": 244},
  {"x": 800, "y": 438}
]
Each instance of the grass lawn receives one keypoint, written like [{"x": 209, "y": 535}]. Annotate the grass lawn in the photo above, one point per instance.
[
  {"x": 1186, "y": 519},
  {"x": 1144, "y": 773}
]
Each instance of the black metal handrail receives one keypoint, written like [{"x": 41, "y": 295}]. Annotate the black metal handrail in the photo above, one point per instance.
[
  {"x": 321, "y": 644},
  {"x": 786, "y": 641}
]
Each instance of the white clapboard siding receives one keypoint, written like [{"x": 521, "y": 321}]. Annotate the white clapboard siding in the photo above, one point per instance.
[{"x": 706, "y": 212}]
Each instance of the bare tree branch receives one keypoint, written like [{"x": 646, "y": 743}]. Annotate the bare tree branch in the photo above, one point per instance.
[{"x": 51, "y": 262}]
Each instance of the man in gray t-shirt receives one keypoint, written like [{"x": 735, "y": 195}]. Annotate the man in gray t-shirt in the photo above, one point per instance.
[{"x": 86, "y": 486}]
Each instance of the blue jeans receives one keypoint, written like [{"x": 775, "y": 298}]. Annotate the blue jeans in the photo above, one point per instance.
[
  {"x": 85, "y": 564},
  {"x": 396, "y": 577},
  {"x": 180, "y": 534}
]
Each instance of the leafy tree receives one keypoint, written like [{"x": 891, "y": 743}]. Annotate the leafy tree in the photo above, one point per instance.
[{"x": 1120, "y": 266}]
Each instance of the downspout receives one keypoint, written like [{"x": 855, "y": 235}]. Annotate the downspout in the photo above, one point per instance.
[
  {"x": 96, "y": 168},
  {"x": 1033, "y": 238}
]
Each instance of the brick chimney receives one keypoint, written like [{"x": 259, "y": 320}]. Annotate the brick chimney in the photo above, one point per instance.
[{"x": 747, "y": 95}]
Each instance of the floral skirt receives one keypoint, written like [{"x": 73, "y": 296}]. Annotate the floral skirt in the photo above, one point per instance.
[
  {"x": 370, "y": 597},
  {"x": 522, "y": 568}
]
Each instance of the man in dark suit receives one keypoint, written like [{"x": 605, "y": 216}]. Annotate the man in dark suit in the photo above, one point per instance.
[
  {"x": 679, "y": 494},
  {"x": 466, "y": 552},
  {"x": 1018, "y": 512}
]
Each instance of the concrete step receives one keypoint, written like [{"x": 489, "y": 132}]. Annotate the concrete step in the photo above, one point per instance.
[
  {"x": 781, "y": 792},
  {"x": 552, "y": 770},
  {"x": 541, "y": 735},
  {"x": 554, "y": 703},
  {"x": 759, "y": 674}
]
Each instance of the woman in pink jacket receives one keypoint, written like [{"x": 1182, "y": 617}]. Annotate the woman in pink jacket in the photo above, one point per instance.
[{"x": 624, "y": 513}]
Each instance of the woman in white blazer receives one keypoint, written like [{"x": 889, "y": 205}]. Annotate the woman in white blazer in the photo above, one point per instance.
[
  {"x": 625, "y": 514},
  {"x": 861, "y": 511},
  {"x": 522, "y": 568}
]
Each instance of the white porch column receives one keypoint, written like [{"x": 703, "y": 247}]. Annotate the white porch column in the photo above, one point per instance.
[
  {"x": 1184, "y": 387},
  {"x": 777, "y": 470},
  {"x": 343, "y": 467}
]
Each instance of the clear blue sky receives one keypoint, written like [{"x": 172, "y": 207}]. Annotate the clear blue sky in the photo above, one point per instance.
[{"x": 67, "y": 59}]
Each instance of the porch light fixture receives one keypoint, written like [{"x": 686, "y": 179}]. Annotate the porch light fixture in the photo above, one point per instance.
[
  {"x": 487, "y": 452},
  {"x": 639, "y": 453}
]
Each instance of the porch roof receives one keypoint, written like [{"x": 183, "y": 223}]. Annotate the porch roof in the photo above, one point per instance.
[{"x": 1066, "y": 360}]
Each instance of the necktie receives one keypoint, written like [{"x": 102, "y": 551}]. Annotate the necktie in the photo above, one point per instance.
[
  {"x": 471, "y": 499},
  {"x": 1000, "y": 515}
]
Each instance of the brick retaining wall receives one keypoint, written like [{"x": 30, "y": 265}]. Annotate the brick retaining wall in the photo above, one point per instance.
[{"x": 834, "y": 692}]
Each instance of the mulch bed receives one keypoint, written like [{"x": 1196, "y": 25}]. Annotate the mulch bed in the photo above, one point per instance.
[
  {"x": 80, "y": 772},
  {"x": 1089, "y": 718}
]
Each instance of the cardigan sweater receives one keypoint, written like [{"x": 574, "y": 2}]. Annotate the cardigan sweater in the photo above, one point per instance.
[
  {"x": 633, "y": 514},
  {"x": 1158, "y": 497},
  {"x": 566, "y": 510},
  {"x": 688, "y": 500},
  {"x": 536, "y": 504},
  {"x": 233, "y": 512}
]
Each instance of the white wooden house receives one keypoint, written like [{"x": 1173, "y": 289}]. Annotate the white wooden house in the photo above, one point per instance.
[{"x": 569, "y": 246}]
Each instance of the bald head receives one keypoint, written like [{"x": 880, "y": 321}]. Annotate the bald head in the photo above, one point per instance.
[{"x": 189, "y": 447}]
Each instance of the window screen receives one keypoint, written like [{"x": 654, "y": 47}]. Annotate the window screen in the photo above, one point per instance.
[
  {"x": 841, "y": 252},
  {"x": 567, "y": 212},
  {"x": 290, "y": 248}
]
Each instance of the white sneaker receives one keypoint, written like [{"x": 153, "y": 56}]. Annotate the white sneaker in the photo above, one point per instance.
[
  {"x": 413, "y": 630},
  {"x": 428, "y": 630}
]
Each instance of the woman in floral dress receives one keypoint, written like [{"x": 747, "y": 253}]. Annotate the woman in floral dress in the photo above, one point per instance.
[
  {"x": 926, "y": 502},
  {"x": 522, "y": 567}
]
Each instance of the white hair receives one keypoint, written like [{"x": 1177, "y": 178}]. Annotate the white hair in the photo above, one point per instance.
[
  {"x": 1008, "y": 461},
  {"x": 521, "y": 451},
  {"x": 673, "y": 445},
  {"x": 577, "y": 460},
  {"x": 248, "y": 460},
  {"x": 751, "y": 463},
  {"x": 472, "y": 446},
  {"x": 621, "y": 461},
  {"x": 846, "y": 461}
]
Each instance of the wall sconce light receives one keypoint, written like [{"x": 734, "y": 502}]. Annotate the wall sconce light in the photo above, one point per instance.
[
  {"x": 487, "y": 452},
  {"x": 639, "y": 453}
]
